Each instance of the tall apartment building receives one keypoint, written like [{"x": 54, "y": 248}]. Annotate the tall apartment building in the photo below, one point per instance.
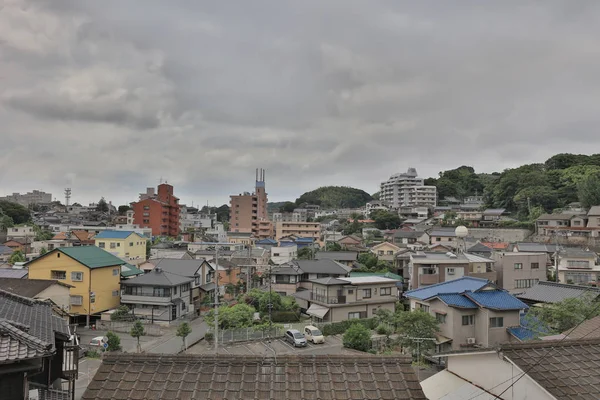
[
  {"x": 26, "y": 199},
  {"x": 407, "y": 189},
  {"x": 248, "y": 213},
  {"x": 158, "y": 211}
]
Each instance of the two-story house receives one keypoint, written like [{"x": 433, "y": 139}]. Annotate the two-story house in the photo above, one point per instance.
[
  {"x": 444, "y": 236},
  {"x": 429, "y": 268},
  {"x": 36, "y": 352},
  {"x": 297, "y": 275},
  {"x": 158, "y": 295},
  {"x": 491, "y": 216},
  {"x": 340, "y": 299},
  {"x": 410, "y": 238},
  {"x": 385, "y": 251},
  {"x": 518, "y": 271},
  {"x": 94, "y": 274},
  {"x": 470, "y": 311},
  {"x": 284, "y": 254},
  {"x": 578, "y": 266},
  {"x": 593, "y": 217},
  {"x": 126, "y": 245},
  {"x": 199, "y": 271}
]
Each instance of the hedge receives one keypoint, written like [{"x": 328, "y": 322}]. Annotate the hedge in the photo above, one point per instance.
[
  {"x": 285, "y": 316},
  {"x": 337, "y": 328}
]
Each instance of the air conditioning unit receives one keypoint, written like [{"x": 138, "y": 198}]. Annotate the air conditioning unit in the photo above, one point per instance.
[{"x": 470, "y": 340}]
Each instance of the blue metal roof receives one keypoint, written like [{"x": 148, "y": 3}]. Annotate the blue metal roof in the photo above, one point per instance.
[
  {"x": 459, "y": 285},
  {"x": 456, "y": 300},
  {"x": 496, "y": 300},
  {"x": 304, "y": 240},
  {"x": 114, "y": 234},
  {"x": 522, "y": 333},
  {"x": 267, "y": 241}
]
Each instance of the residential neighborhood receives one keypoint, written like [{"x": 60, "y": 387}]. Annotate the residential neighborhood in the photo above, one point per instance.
[{"x": 299, "y": 200}]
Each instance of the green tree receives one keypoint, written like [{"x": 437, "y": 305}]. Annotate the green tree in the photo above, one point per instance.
[
  {"x": 357, "y": 337},
  {"x": 183, "y": 331},
  {"x": 287, "y": 207},
  {"x": 352, "y": 228},
  {"x": 16, "y": 256},
  {"x": 305, "y": 253},
  {"x": 5, "y": 221},
  {"x": 234, "y": 317},
  {"x": 369, "y": 260},
  {"x": 121, "y": 314},
  {"x": 416, "y": 324},
  {"x": 376, "y": 195},
  {"x": 588, "y": 190},
  {"x": 16, "y": 212},
  {"x": 335, "y": 197},
  {"x": 123, "y": 209},
  {"x": 566, "y": 314},
  {"x": 385, "y": 219},
  {"x": 102, "y": 205},
  {"x": 333, "y": 246},
  {"x": 42, "y": 234},
  {"x": 137, "y": 331},
  {"x": 114, "y": 342},
  {"x": 43, "y": 251}
]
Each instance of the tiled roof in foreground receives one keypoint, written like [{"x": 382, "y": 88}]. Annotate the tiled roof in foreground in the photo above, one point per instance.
[
  {"x": 569, "y": 369},
  {"x": 184, "y": 377}
]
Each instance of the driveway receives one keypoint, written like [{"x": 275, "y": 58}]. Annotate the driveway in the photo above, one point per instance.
[
  {"x": 87, "y": 370},
  {"x": 172, "y": 344}
]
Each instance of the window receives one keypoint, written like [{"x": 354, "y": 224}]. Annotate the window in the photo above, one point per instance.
[
  {"x": 185, "y": 288},
  {"x": 496, "y": 322},
  {"x": 113, "y": 245},
  {"x": 422, "y": 307},
  {"x": 175, "y": 290},
  {"x": 385, "y": 291},
  {"x": 59, "y": 275},
  {"x": 350, "y": 291},
  {"x": 197, "y": 280},
  {"x": 578, "y": 264},
  {"x": 450, "y": 271},
  {"x": 441, "y": 318},
  {"x": 77, "y": 276},
  {"x": 101, "y": 245},
  {"x": 146, "y": 221},
  {"x": 518, "y": 266},
  {"x": 357, "y": 315},
  {"x": 366, "y": 293},
  {"x": 468, "y": 320},
  {"x": 208, "y": 277},
  {"x": 115, "y": 293},
  {"x": 275, "y": 254},
  {"x": 76, "y": 300},
  {"x": 182, "y": 306},
  {"x": 390, "y": 253},
  {"x": 535, "y": 265},
  {"x": 380, "y": 252},
  {"x": 525, "y": 283},
  {"x": 438, "y": 239},
  {"x": 116, "y": 271}
]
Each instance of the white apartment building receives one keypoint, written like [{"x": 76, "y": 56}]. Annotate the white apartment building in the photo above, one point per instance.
[{"x": 407, "y": 189}]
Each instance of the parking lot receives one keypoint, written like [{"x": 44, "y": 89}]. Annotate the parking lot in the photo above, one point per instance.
[{"x": 332, "y": 345}]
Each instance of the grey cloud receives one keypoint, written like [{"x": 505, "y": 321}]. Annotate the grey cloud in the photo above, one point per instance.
[{"x": 338, "y": 92}]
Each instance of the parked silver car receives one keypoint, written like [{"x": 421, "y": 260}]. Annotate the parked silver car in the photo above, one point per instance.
[{"x": 295, "y": 337}]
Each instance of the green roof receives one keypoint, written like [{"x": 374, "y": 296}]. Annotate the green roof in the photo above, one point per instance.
[
  {"x": 383, "y": 274},
  {"x": 90, "y": 256},
  {"x": 128, "y": 270}
]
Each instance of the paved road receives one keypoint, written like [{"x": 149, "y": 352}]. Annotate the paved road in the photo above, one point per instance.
[
  {"x": 87, "y": 370},
  {"x": 173, "y": 344},
  {"x": 128, "y": 343}
]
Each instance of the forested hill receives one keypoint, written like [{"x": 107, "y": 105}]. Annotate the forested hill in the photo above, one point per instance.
[
  {"x": 562, "y": 179},
  {"x": 335, "y": 197}
]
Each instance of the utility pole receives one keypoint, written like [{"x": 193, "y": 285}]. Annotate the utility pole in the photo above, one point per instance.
[
  {"x": 216, "y": 299},
  {"x": 418, "y": 341},
  {"x": 270, "y": 305}
]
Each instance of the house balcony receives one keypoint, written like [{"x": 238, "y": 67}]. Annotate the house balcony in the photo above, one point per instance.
[
  {"x": 328, "y": 299},
  {"x": 429, "y": 279},
  {"x": 151, "y": 300}
]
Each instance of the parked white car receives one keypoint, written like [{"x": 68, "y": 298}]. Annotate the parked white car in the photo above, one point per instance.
[{"x": 313, "y": 334}]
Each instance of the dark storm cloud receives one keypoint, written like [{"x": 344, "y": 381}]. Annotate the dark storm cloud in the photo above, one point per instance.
[{"x": 109, "y": 97}]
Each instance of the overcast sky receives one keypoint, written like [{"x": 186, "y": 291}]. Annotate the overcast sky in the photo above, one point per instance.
[{"x": 107, "y": 97}]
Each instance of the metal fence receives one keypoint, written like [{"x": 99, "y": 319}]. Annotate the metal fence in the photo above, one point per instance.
[
  {"x": 248, "y": 334},
  {"x": 125, "y": 327}
]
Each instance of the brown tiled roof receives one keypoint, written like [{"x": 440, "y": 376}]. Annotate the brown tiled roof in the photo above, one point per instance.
[
  {"x": 589, "y": 329},
  {"x": 569, "y": 369},
  {"x": 60, "y": 236},
  {"x": 141, "y": 376}
]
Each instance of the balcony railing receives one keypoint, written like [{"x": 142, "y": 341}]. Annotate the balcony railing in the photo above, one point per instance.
[{"x": 328, "y": 299}]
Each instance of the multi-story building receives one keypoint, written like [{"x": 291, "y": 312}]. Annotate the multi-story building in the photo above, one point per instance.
[
  {"x": 470, "y": 311},
  {"x": 296, "y": 275},
  {"x": 341, "y": 299},
  {"x": 29, "y": 198},
  {"x": 93, "y": 273},
  {"x": 158, "y": 211},
  {"x": 578, "y": 266},
  {"x": 518, "y": 271},
  {"x": 192, "y": 218},
  {"x": 407, "y": 189},
  {"x": 23, "y": 232},
  {"x": 301, "y": 229},
  {"x": 283, "y": 254},
  {"x": 430, "y": 268},
  {"x": 126, "y": 245},
  {"x": 248, "y": 209}
]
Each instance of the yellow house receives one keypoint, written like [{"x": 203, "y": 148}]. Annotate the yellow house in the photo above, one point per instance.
[
  {"x": 385, "y": 251},
  {"x": 93, "y": 273},
  {"x": 127, "y": 245}
]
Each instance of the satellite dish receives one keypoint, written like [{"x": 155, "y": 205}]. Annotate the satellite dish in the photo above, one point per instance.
[{"x": 461, "y": 231}]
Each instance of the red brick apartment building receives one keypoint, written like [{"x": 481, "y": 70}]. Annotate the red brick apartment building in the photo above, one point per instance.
[{"x": 158, "y": 211}]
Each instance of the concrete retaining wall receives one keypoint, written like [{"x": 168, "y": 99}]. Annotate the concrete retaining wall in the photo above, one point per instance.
[{"x": 499, "y": 234}]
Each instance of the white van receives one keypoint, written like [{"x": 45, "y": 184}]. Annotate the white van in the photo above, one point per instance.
[{"x": 313, "y": 334}]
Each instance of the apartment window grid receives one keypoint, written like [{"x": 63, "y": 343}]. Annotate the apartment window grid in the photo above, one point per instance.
[
  {"x": 77, "y": 276},
  {"x": 496, "y": 322},
  {"x": 468, "y": 320},
  {"x": 76, "y": 300},
  {"x": 441, "y": 318},
  {"x": 386, "y": 291},
  {"x": 58, "y": 275},
  {"x": 366, "y": 293},
  {"x": 518, "y": 265},
  {"x": 525, "y": 283},
  {"x": 535, "y": 265}
]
